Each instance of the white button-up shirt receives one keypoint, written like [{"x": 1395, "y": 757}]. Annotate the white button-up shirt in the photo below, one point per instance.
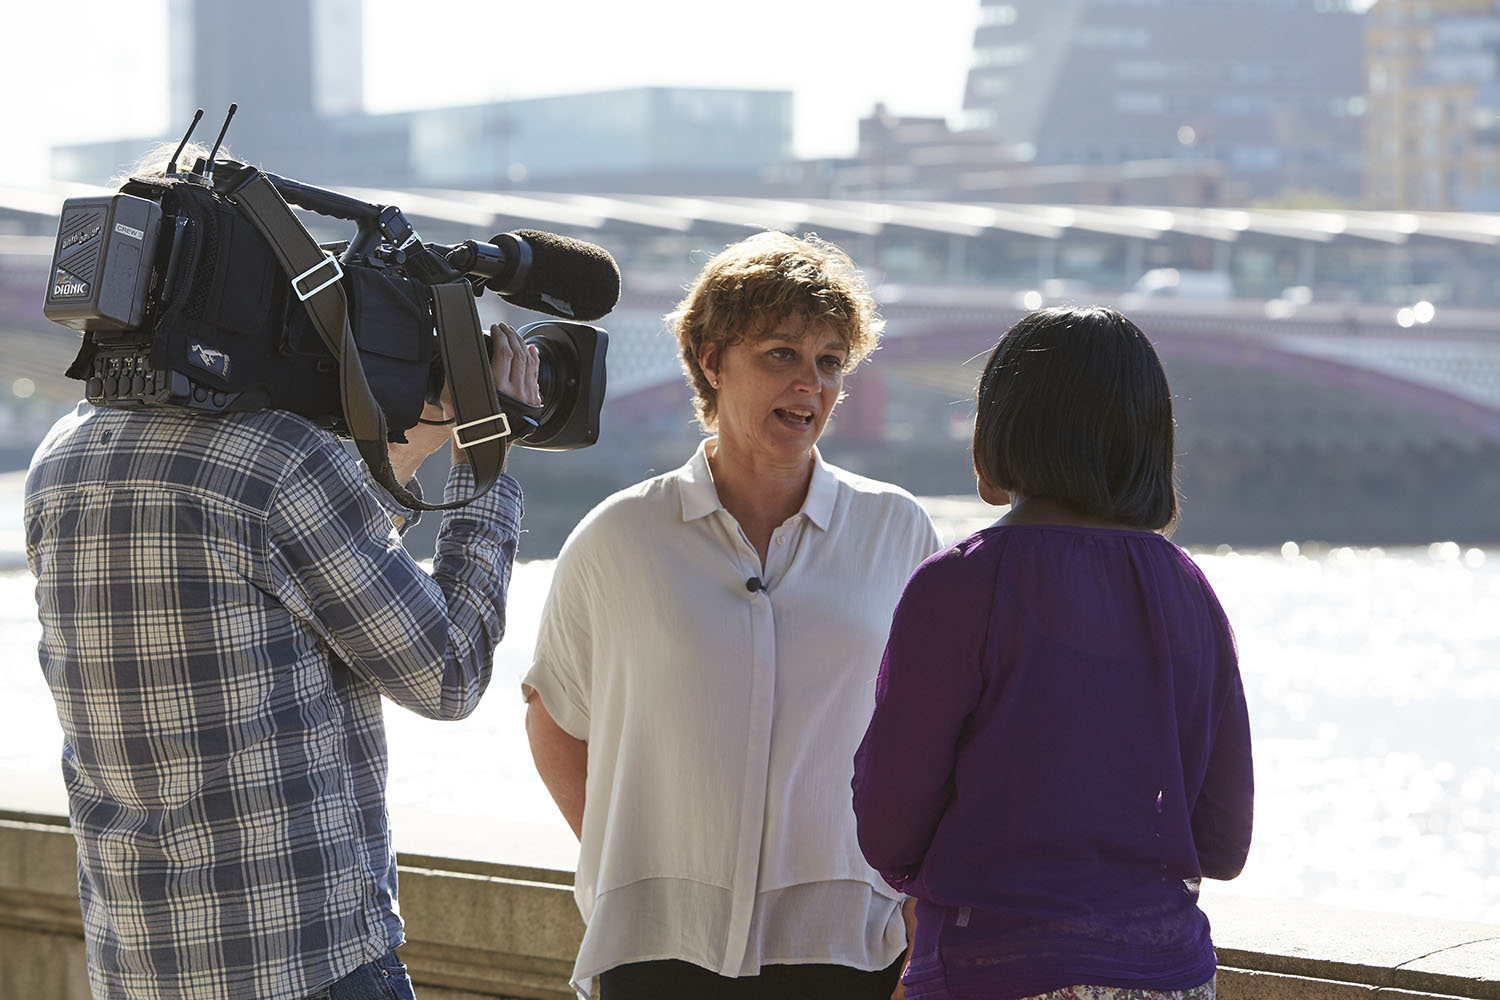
[{"x": 722, "y": 721}]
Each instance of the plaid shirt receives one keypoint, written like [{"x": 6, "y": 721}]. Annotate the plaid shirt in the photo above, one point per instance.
[{"x": 223, "y": 602}]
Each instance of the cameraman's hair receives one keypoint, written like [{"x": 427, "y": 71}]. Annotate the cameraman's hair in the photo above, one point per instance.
[
  {"x": 1074, "y": 406},
  {"x": 154, "y": 162},
  {"x": 752, "y": 285}
]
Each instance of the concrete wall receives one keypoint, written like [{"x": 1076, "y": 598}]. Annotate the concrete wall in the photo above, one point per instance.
[{"x": 480, "y": 931}]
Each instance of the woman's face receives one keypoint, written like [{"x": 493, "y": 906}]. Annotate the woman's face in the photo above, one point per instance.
[{"x": 777, "y": 391}]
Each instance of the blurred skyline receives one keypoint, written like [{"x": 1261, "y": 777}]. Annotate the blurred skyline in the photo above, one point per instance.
[
  {"x": 1161, "y": 136},
  {"x": 102, "y": 74}
]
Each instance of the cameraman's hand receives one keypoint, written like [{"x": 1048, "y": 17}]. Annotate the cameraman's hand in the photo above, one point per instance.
[{"x": 514, "y": 366}]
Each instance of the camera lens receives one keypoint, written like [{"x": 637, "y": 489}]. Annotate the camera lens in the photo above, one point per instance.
[{"x": 557, "y": 375}]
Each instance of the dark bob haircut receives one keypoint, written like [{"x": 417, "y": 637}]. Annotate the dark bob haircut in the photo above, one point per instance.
[{"x": 1074, "y": 406}]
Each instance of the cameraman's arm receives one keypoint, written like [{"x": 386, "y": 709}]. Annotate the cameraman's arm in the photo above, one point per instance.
[
  {"x": 426, "y": 642},
  {"x": 421, "y": 441}
]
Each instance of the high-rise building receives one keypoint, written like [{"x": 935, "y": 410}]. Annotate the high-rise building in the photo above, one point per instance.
[
  {"x": 1271, "y": 89},
  {"x": 284, "y": 62},
  {"x": 294, "y": 67},
  {"x": 1432, "y": 123}
]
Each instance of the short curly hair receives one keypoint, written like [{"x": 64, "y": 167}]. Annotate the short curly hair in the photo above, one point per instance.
[{"x": 750, "y": 286}]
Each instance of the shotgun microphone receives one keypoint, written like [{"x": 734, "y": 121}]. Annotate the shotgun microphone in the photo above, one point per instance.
[{"x": 543, "y": 272}]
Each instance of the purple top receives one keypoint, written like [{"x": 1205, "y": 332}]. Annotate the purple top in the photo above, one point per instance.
[{"x": 1059, "y": 751}]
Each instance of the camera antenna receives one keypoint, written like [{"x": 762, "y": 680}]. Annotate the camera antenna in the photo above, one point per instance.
[
  {"x": 208, "y": 171},
  {"x": 172, "y": 163}
]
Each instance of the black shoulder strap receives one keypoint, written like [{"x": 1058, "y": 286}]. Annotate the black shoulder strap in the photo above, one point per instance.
[{"x": 482, "y": 428}]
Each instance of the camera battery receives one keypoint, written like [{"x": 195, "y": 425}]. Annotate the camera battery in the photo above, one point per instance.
[{"x": 101, "y": 266}]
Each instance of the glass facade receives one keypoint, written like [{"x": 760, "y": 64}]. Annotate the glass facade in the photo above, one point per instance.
[{"x": 1264, "y": 86}]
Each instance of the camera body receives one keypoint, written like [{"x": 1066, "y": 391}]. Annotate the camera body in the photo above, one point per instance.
[{"x": 183, "y": 303}]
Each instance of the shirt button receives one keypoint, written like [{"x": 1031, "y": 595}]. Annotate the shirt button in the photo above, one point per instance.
[
  {"x": 780, "y": 539},
  {"x": 398, "y": 520}
]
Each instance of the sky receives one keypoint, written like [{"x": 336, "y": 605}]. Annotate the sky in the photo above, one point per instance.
[{"x": 101, "y": 71}]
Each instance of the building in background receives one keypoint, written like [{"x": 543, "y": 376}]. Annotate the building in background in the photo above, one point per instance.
[
  {"x": 1112, "y": 153},
  {"x": 926, "y": 159},
  {"x": 287, "y": 65},
  {"x": 295, "y": 70},
  {"x": 291, "y": 64},
  {"x": 315, "y": 46},
  {"x": 675, "y": 140},
  {"x": 1195, "y": 103},
  {"x": 1432, "y": 124},
  {"x": 1269, "y": 89},
  {"x": 671, "y": 139}
]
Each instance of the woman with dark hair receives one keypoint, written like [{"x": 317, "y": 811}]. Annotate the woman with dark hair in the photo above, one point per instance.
[
  {"x": 1060, "y": 749},
  {"x": 701, "y": 675}
]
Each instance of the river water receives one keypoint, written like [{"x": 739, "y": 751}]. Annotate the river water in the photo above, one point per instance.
[{"x": 1371, "y": 676}]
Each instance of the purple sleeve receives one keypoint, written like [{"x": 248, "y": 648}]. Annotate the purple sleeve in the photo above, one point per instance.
[
  {"x": 930, "y": 680},
  {"x": 1222, "y": 814}
]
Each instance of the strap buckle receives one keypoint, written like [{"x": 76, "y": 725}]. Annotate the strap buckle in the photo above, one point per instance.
[
  {"x": 458, "y": 438},
  {"x": 338, "y": 272}
]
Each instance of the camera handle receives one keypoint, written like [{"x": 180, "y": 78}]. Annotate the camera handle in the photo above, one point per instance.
[
  {"x": 315, "y": 279},
  {"x": 369, "y": 219}
]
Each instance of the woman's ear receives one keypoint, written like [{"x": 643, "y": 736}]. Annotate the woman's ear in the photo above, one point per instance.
[
  {"x": 991, "y": 494},
  {"x": 708, "y": 360}
]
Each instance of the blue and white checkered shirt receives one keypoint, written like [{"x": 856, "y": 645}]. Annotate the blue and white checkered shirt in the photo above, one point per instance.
[{"x": 223, "y": 602}]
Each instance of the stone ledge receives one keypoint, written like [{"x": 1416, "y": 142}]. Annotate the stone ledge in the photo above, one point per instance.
[
  {"x": 1374, "y": 950},
  {"x": 1239, "y": 984},
  {"x": 489, "y": 927},
  {"x": 480, "y": 931}
]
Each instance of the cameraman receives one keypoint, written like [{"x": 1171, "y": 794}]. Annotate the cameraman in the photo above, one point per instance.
[{"x": 223, "y": 602}]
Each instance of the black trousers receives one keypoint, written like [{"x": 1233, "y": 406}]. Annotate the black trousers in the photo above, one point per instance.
[{"x": 671, "y": 980}]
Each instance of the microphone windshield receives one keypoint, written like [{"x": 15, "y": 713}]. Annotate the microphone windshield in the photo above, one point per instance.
[{"x": 568, "y": 278}]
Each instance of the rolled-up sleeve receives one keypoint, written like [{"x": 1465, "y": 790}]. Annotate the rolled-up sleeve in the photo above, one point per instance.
[
  {"x": 562, "y": 666},
  {"x": 427, "y": 642}
]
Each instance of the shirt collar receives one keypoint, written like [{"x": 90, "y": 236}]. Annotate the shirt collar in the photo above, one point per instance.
[
  {"x": 821, "y": 493},
  {"x": 699, "y": 498}
]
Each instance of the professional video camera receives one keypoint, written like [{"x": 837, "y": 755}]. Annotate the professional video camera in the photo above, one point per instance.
[{"x": 201, "y": 289}]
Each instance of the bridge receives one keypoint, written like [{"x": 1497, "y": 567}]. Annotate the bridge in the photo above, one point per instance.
[
  {"x": 1352, "y": 420},
  {"x": 1313, "y": 421},
  {"x": 1446, "y": 371}
]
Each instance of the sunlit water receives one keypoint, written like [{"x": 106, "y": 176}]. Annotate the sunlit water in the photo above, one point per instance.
[{"x": 1374, "y": 700}]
